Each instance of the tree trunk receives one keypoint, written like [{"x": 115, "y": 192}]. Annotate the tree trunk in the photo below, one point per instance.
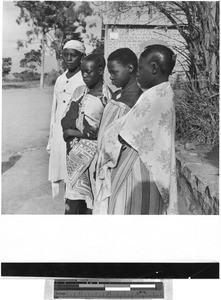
[
  {"x": 58, "y": 65},
  {"x": 42, "y": 60},
  {"x": 206, "y": 47}
]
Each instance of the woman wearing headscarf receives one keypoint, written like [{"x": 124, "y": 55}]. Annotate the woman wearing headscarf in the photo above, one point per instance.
[{"x": 65, "y": 85}]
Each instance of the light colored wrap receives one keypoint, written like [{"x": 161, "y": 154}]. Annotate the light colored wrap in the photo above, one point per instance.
[
  {"x": 75, "y": 45},
  {"x": 56, "y": 147},
  {"x": 113, "y": 111}
]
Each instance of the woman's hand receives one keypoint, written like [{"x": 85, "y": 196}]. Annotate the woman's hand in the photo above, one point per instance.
[{"x": 91, "y": 133}]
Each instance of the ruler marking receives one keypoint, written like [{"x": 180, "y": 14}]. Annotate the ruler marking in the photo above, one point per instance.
[{"x": 111, "y": 289}]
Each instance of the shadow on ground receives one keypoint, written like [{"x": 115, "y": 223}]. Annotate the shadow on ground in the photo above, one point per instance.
[{"x": 6, "y": 165}]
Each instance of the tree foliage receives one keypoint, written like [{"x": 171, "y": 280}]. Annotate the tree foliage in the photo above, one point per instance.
[
  {"x": 198, "y": 24},
  {"x": 60, "y": 20},
  {"x": 31, "y": 60},
  {"x": 53, "y": 22},
  {"x": 200, "y": 29},
  {"x": 6, "y": 65},
  {"x": 70, "y": 23},
  {"x": 97, "y": 44}
]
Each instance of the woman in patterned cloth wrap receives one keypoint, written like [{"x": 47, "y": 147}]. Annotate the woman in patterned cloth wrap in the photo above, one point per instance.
[
  {"x": 80, "y": 127},
  {"x": 138, "y": 153}
]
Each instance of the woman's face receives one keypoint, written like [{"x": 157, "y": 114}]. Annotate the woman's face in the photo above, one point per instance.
[
  {"x": 72, "y": 58},
  {"x": 119, "y": 74},
  {"x": 145, "y": 76},
  {"x": 91, "y": 73}
]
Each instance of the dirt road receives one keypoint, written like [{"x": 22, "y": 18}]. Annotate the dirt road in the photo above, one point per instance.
[{"x": 25, "y": 129}]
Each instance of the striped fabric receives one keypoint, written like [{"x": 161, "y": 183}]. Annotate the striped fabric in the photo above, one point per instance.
[
  {"x": 133, "y": 191},
  {"x": 113, "y": 111}
]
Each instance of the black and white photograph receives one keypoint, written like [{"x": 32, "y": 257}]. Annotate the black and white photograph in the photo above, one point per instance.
[
  {"x": 151, "y": 70},
  {"x": 110, "y": 108}
]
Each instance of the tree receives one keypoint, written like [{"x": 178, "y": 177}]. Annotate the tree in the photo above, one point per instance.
[
  {"x": 201, "y": 33},
  {"x": 97, "y": 44},
  {"x": 6, "y": 65},
  {"x": 54, "y": 21},
  {"x": 32, "y": 60},
  {"x": 39, "y": 16},
  {"x": 69, "y": 25},
  {"x": 198, "y": 23}
]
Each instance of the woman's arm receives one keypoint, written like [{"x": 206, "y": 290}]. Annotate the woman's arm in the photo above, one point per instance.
[
  {"x": 72, "y": 133},
  {"x": 89, "y": 135}
]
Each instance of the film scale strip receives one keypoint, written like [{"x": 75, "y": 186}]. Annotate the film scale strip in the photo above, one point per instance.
[{"x": 108, "y": 288}]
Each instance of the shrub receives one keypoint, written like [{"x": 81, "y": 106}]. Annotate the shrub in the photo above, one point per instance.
[
  {"x": 197, "y": 116},
  {"x": 26, "y": 76},
  {"x": 6, "y": 65},
  {"x": 51, "y": 77}
]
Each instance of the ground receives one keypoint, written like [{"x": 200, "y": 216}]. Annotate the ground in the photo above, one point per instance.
[
  {"x": 25, "y": 187},
  {"x": 25, "y": 129}
]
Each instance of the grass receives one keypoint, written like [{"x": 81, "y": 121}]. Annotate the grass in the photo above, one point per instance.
[
  {"x": 197, "y": 116},
  {"x": 20, "y": 84}
]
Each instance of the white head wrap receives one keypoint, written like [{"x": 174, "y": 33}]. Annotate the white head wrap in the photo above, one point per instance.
[{"x": 76, "y": 45}]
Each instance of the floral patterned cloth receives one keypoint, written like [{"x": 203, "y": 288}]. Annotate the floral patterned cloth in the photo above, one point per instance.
[{"x": 149, "y": 127}]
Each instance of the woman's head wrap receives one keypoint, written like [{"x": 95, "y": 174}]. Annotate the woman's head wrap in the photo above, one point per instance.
[{"x": 75, "y": 45}]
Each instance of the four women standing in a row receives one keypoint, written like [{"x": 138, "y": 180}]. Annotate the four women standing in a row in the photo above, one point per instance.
[{"x": 130, "y": 169}]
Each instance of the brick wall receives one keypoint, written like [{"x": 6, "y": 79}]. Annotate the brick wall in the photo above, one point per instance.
[{"x": 134, "y": 37}]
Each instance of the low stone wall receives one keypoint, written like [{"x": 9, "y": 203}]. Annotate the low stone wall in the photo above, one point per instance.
[{"x": 198, "y": 185}]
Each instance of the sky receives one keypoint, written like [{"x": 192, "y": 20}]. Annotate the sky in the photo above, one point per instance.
[{"x": 11, "y": 32}]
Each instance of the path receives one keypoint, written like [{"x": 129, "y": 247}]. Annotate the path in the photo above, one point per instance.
[{"x": 25, "y": 124}]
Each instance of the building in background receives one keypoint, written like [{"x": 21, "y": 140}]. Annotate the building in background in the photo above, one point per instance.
[{"x": 130, "y": 31}]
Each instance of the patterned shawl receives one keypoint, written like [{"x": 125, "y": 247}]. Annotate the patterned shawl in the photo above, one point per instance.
[{"x": 83, "y": 151}]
